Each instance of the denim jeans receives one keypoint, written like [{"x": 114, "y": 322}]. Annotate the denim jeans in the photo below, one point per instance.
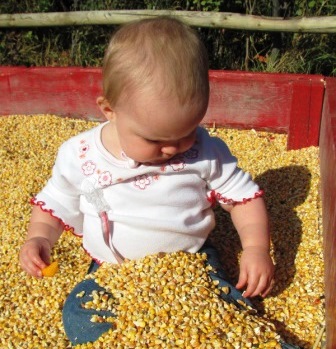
[{"x": 76, "y": 319}]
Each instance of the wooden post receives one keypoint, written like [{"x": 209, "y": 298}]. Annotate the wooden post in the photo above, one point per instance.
[
  {"x": 328, "y": 192},
  {"x": 304, "y": 124}
]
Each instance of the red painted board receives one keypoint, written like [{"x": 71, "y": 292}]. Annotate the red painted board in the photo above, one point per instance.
[
  {"x": 62, "y": 91},
  {"x": 328, "y": 192},
  {"x": 238, "y": 99},
  {"x": 304, "y": 124},
  {"x": 268, "y": 101}
]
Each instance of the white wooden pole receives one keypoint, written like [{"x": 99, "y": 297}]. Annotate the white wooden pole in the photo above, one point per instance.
[{"x": 234, "y": 21}]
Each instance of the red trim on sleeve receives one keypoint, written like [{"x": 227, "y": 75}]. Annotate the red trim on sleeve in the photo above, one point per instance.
[
  {"x": 214, "y": 197},
  {"x": 41, "y": 204}
]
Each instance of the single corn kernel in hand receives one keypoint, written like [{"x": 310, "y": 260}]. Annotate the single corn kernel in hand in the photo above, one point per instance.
[{"x": 51, "y": 269}]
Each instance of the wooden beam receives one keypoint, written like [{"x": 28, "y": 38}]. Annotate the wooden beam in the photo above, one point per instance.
[
  {"x": 328, "y": 193},
  {"x": 286, "y": 103},
  {"x": 227, "y": 20}
]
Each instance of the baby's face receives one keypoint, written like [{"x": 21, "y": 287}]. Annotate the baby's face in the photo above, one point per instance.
[{"x": 151, "y": 130}]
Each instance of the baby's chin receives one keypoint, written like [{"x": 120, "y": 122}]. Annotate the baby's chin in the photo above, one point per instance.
[{"x": 156, "y": 162}]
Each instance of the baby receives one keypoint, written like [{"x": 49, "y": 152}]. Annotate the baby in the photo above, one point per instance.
[{"x": 145, "y": 181}]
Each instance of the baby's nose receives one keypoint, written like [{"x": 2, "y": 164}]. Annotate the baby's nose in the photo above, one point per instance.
[{"x": 171, "y": 149}]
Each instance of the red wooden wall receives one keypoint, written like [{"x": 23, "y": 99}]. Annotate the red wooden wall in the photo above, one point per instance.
[
  {"x": 290, "y": 103},
  {"x": 328, "y": 191}
]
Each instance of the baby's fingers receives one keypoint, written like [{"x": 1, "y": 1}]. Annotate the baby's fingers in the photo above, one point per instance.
[
  {"x": 258, "y": 287},
  {"x": 252, "y": 289},
  {"x": 32, "y": 268},
  {"x": 267, "y": 289},
  {"x": 31, "y": 261},
  {"x": 242, "y": 280}
]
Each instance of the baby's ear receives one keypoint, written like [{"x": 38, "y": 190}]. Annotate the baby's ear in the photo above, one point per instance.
[{"x": 105, "y": 107}]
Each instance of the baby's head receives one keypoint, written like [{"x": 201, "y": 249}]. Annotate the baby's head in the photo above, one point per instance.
[
  {"x": 156, "y": 88},
  {"x": 159, "y": 54}
]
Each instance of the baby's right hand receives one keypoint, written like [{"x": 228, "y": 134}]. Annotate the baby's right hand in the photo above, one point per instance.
[{"x": 35, "y": 255}]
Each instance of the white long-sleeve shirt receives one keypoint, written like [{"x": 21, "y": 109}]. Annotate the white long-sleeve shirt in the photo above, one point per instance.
[{"x": 159, "y": 208}]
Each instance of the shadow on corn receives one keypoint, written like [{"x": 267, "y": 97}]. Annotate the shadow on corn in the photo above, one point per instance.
[{"x": 285, "y": 189}]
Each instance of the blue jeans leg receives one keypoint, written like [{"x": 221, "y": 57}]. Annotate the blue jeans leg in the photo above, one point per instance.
[
  {"x": 219, "y": 274},
  {"x": 77, "y": 320}
]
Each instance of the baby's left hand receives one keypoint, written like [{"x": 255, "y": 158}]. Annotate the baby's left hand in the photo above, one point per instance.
[{"x": 256, "y": 271}]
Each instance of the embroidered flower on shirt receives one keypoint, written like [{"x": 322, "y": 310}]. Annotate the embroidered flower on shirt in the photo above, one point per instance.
[
  {"x": 88, "y": 168},
  {"x": 177, "y": 164},
  {"x": 191, "y": 153},
  {"x": 156, "y": 177},
  {"x": 142, "y": 181},
  {"x": 83, "y": 148},
  {"x": 105, "y": 179}
]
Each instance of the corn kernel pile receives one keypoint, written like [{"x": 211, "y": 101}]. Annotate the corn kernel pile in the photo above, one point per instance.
[
  {"x": 30, "y": 309},
  {"x": 169, "y": 301}
]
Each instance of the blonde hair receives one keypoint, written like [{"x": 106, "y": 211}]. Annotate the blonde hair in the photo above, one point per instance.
[{"x": 160, "y": 50}]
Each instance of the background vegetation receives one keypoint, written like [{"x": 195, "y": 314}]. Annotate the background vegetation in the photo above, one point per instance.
[{"x": 228, "y": 49}]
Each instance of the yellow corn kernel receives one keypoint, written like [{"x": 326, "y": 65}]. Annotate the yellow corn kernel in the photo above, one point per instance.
[{"x": 51, "y": 269}]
